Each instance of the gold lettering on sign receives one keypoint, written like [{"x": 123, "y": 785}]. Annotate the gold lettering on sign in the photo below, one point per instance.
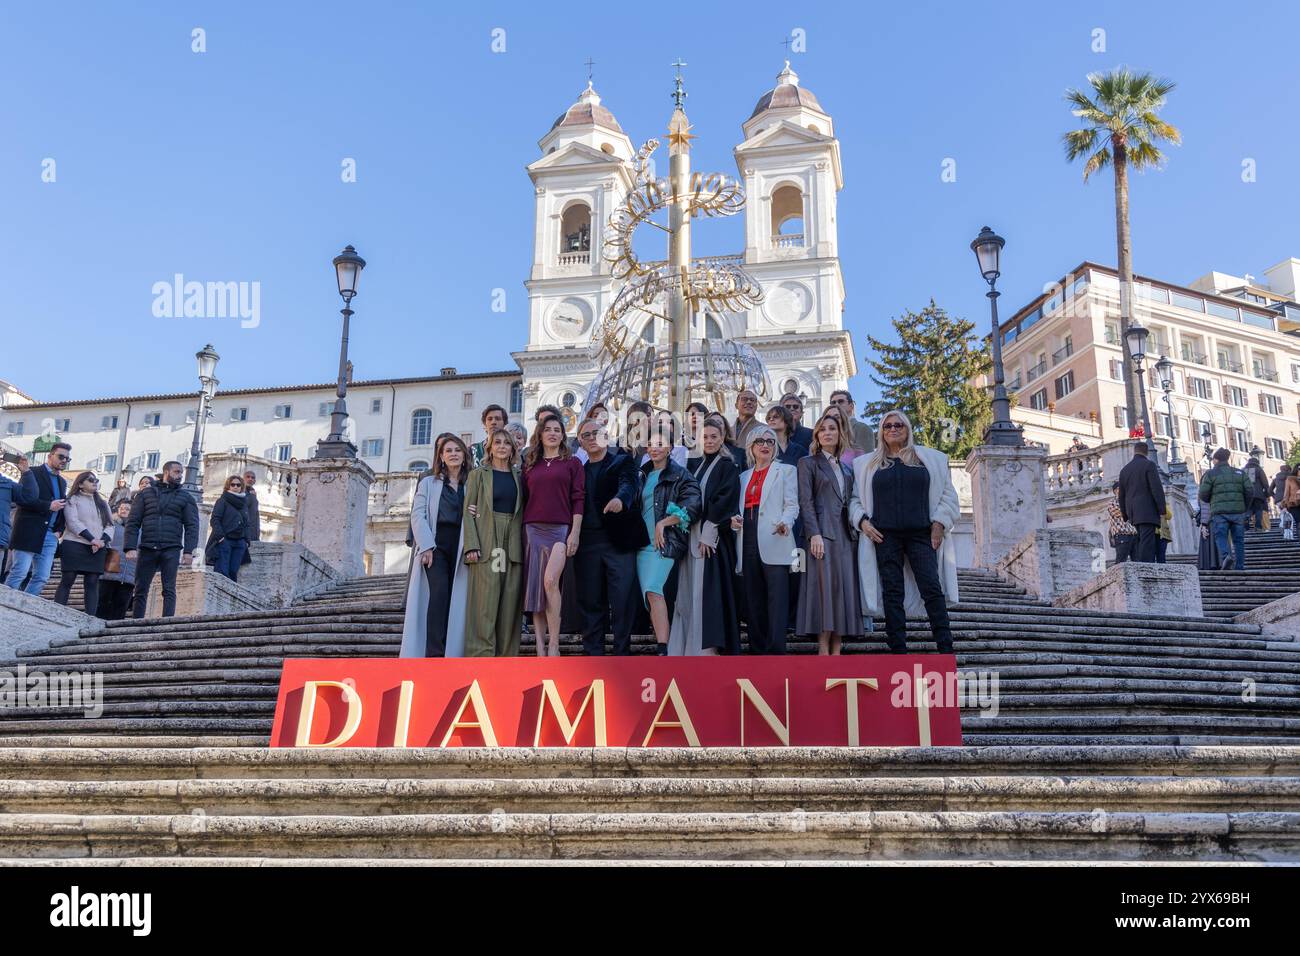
[
  {"x": 482, "y": 721},
  {"x": 550, "y": 695},
  {"x": 923, "y": 711},
  {"x": 308, "y": 711},
  {"x": 851, "y": 685},
  {"x": 683, "y": 721},
  {"x": 403, "y": 713},
  {"x": 749, "y": 692}
]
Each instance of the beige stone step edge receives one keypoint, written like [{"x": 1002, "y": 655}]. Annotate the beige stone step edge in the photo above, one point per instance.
[{"x": 270, "y": 861}]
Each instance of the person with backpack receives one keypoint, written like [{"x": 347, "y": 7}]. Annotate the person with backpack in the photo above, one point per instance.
[
  {"x": 1229, "y": 494},
  {"x": 1259, "y": 494}
]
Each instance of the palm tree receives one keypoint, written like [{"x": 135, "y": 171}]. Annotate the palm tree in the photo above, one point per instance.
[{"x": 1121, "y": 129}]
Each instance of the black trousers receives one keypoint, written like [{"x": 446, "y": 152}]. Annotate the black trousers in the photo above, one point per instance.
[
  {"x": 89, "y": 587},
  {"x": 605, "y": 579},
  {"x": 1145, "y": 549},
  {"x": 914, "y": 547},
  {"x": 114, "y": 600},
  {"x": 1125, "y": 548},
  {"x": 767, "y": 594},
  {"x": 150, "y": 562},
  {"x": 439, "y": 574}
]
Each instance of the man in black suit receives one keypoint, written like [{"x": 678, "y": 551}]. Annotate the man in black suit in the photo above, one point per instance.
[
  {"x": 612, "y": 531},
  {"x": 39, "y": 520},
  {"x": 802, "y": 433},
  {"x": 1142, "y": 501}
]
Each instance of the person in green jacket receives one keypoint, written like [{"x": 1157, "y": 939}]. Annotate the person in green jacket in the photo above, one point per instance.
[
  {"x": 1228, "y": 492},
  {"x": 493, "y": 550}
]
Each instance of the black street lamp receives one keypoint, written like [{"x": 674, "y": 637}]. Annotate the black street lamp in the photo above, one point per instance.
[
  {"x": 1137, "y": 345},
  {"x": 987, "y": 247},
  {"x": 1165, "y": 370},
  {"x": 347, "y": 268},
  {"x": 207, "y": 358}
]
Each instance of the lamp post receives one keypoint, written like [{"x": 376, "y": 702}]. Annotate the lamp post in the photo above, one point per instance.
[
  {"x": 987, "y": 247},
  {"x": 347, "y": 269},
  {"x": 1137, "y": 346},
  {"x": 1165, "y": 370},
  {"x": 207, "y": 358}
]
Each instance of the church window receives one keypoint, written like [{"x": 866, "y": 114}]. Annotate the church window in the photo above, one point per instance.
[
  {"x": 787, "y": 216},
  {"x": 575, "y": 229},
  {"x": 421, "y": 426}
]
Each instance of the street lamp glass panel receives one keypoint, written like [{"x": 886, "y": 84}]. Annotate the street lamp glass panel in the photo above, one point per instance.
[
  {"x": 1137, "y": 341},
  {"x": 1165, "y": 369},
  {"x": 207, "y": 362},
  {"x": 348, "y": 266},
  {"x": 988, "y": 251}
]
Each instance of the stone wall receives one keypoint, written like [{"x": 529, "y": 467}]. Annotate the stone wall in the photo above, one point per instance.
[
  {"x": 29, "y": 621},
  {"x": 1135, "y": 588},
  {"x": 1051, "y": 562},
  {"x": 202, "y": 591}
]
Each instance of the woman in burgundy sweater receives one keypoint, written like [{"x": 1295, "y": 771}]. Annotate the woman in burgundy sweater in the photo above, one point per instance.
[{"x": 553, "y": 482}]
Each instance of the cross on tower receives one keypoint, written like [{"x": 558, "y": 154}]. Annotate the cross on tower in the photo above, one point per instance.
[
  {"x": 679, "y": 94},
  {"x": 589, "y": 64},
  {"x": 786, "y": 43}
]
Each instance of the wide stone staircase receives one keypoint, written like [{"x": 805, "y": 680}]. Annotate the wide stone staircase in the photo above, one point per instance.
[
  {"x": 1116, "y": 737},
  {"x": 1272, "y": 572}
]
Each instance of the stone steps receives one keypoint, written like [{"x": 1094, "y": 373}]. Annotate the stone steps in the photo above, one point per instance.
[{"x": 253, "y": 806}]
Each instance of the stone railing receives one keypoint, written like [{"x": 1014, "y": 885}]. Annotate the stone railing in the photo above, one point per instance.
[
  {"x": 1078, "y": 470},
  {"x": 277, "y": 481},
  {"x": 392, "y": 493},
  {"x": 574, "y": 258},
  {"x": 792, "y": 241}
]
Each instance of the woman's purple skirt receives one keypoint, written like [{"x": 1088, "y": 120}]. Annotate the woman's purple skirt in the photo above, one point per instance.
[{"x": 539, "y": 539}]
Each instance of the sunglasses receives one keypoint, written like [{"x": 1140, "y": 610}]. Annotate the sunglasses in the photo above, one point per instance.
[
  {"x": 63, "y": 458},
  {"x": 764, "y": 441},
  {"x": 236, "y": 484},
  {"x": 893, "y": 425}
]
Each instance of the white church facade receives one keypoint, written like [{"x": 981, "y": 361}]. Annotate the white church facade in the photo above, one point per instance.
[{"x": 789, "y": 164}]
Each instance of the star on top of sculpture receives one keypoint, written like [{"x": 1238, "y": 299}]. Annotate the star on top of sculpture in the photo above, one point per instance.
[{"x": 679, "y": 131}]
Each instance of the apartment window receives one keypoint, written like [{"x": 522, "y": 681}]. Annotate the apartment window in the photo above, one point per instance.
[
  {"x": 1064, "y": 385},
  {"x": 15, "y": 428},
  {"x": 1164, "y": 424},
  {"x": 325, "y": 409},
  {"x": 108, "y": 421},
  {"x": 283, "y": 451},
  {"x": 284, "y": 411},
  {"x": 152, "y": 460},
  {"x": 422, "y": 427},
  {"x": 239, "y": 414},
  {"x": 466, "y": 437},
  {"x": 241, "y": 450},
  {"x": 1234, "y": 395},
  {"x": 1194, "y": 303},
  {"x": 1276, "y": 448},
  {"x": 1200, "y": 387},
  {"x": 517, "y": 393},
  {"x": 376, "y": 406},
  {"x": 1271, "y": 404},
  {"x": 110, "y": 463},
  {"x": 418, "y": 465},
  {"x": 1112, "y": 333},
  {"x": 1295, "y": 374},
  {"x": 1263, "y": 368},
  {"x": 1237, "y": 438},
  {"x": 1204, "y": 431},
  {"x": 1121, "y": 417},
  {"x": 1038, "y": 400},
  {"x": 63, "y": 424},
  {"x": 153, "y": 420},
  {"x": 1117, "y": 370},
  {"x": 372, "y": 448},
  {"x": 466, "y": 399}
]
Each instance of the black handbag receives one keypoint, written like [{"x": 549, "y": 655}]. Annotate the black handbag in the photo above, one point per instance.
[{"x": 676, "y": 542}]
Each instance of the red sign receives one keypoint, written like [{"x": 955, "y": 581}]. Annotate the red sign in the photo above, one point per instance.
[{"x": 900, "y": 700}]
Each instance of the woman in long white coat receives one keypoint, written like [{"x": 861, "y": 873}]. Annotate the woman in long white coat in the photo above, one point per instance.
[
  {"x": 904, "y": 503},
  {"x": 765, "y": 543},
  {"x": 434, "y": 625}
]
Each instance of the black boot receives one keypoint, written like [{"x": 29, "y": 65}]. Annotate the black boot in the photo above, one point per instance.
[{"x": 661, "y": 650}]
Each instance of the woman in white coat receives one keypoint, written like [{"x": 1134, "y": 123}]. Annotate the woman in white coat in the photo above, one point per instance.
[
  {"x": 769, "y": 503},
  {"x": 904, "y": 503},
  {"x": 434, "y": 625}
]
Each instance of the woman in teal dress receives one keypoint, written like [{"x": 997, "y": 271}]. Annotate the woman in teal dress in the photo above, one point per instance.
[{"x": 670, "y": 502}]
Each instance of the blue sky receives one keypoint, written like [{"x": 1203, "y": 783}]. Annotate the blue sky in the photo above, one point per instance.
[{"x": 225, "y": 165}]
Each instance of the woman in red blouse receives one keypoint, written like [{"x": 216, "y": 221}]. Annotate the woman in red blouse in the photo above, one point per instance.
[{"x": 553, "y": 483}]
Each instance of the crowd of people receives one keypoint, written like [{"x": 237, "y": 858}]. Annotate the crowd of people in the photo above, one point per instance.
[
  {"x": 684, "y": 530},
  {"x": 116, "y": 545}
]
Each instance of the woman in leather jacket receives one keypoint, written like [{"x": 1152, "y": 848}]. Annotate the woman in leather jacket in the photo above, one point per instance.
[{"x": 670, "y": 502}]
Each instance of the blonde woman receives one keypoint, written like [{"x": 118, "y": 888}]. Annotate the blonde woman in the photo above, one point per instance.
[
  {"x": 904, "y": 504},
  {"x": 493, "y": 548},
  {"x": 829, "y": 601}
]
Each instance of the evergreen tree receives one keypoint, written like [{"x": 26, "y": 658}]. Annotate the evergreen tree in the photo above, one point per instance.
[
  {"x": 928, "y": 375},
  {"x": 1293, "y": 456}
]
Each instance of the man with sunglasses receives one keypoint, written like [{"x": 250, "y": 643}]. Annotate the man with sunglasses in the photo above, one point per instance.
[
  {"x": 801, "y": 434},
  {"x": 39, "y": 521}
]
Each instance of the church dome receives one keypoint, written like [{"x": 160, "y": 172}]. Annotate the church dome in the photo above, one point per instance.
[
  {"x": 787, "y": 94},
  {"x": 587, "y": 111}
]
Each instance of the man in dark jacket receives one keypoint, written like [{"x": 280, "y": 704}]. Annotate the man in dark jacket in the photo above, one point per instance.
[
  {"x": 251, "y": 506},
  {"x": 1142, "y": 501},
  {"x": 164, "y": 521},
  {"x": 1277, "y": 488},
  {"x": 1228, "y": 493},
  {"x": 39, "y": 521},
  {"x": 612, "y": 531},
  {"x": 1257, "y": 506}
]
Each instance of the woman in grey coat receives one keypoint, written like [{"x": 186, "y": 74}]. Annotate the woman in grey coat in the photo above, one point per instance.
[{"x": 830, "y": 604}]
